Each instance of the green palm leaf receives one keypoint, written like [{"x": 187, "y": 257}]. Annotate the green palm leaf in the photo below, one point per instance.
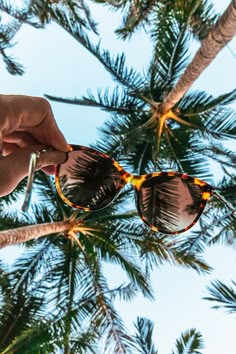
[
  {"x": 73, "y": 16},
  {"x": 218, "y": 223},
  {"x": 7, "y": 34},
  {"x": 143, "y": 338},
  {"x": 46, "y": 335},
  {"x": 116, "y": 101},
  {"x": 151, "y": 14},
  {"x": 38, "y": 13},
  {"x": 170, "y": 58},
  {"x": 20, "y": 308},
  {"x": 190, "y": 342},
  {"x": 222, "y": 294}
]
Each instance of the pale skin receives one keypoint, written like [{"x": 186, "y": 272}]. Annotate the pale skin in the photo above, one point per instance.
[{"x": 27, "y": 125}]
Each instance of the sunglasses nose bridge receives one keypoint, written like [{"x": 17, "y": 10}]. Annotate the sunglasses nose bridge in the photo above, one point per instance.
[
  {"x": 128, "y": 178},
  {"x": 137, "y": 181}
]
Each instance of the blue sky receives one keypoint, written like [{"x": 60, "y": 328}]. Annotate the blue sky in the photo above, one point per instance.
[{"x": 56, "y": 64}]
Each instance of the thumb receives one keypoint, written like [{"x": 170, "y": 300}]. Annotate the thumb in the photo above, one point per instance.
[{"x": 14, "y": 167}]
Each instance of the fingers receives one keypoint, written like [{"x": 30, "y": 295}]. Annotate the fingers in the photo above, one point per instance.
[
  {"x": 33, "y": 115},
  {"x": 1, "y": 143},
  {"x": 21, "y": 139},
  {"x": 16, "y": 140},
  {"x": 44, "y": 128},
  {"x": 27, "y": 124},
  {"x": 14, "y": 167}
]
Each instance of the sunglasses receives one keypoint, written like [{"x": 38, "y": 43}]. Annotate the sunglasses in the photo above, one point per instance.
[{"x": 168, "y": 202}]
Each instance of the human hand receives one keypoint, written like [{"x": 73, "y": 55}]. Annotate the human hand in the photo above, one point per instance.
[{"x": 27, "y": 125}]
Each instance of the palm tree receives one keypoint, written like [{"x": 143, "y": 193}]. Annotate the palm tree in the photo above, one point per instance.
[
  {"x": 190, "y": 342},
  {"x": 185, "y": 137}
]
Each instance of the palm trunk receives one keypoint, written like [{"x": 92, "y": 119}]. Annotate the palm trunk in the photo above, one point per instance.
[
  {"x": 26, "y": 233},
  {"x": 220, "y": 34}
]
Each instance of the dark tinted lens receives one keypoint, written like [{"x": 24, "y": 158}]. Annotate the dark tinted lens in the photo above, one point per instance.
[
  {"x": 88, "y": 179},
  {"x": 169, "y": 203}
]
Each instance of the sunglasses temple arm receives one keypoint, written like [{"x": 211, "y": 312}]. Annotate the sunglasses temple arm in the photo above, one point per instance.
[
  {"x": 31, "y": 171},
  {"x": 226, "y": 202},
  {"x": 32, "y": 166}
]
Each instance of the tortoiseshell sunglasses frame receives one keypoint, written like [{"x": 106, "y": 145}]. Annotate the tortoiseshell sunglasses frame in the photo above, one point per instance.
[{"x": 137, "y": 181}]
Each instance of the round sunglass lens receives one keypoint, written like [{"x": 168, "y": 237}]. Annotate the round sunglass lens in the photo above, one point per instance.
[
  {"x": 170, "y": 203},
  {"x": 88, "y": 179}
]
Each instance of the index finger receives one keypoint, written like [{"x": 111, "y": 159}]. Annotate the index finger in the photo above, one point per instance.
[
  {"x": 37, "y": 118},
  {"x": 47, "y": 131}
]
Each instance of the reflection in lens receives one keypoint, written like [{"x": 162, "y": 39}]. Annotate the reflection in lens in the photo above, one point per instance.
[
  {"x": 88, "y": 179},
  {"x": 169, "y": 203}
]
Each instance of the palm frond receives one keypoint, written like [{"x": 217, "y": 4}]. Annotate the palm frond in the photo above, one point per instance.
[
  {"x": 32, "y": 262},
  {"x": 217, "y": 152},
  {"x": 12, "y": 66},
  {"x": 171, "y": 56},
  {"x": 136, "y": 16},
  {"x": 76, "y": 11},
  {"x": 30, "y": 341},
  {"x": 197, "y": 102},
  {"x": 222, "y": 294},
  {"x": 222, "y": 227},
  {"x": 47, "y": 334},
  {"x": 125, "y": 292},
  {"x": 195, "y": 242},
  {"x": 190, "y": 342},
  {"x": 151, "y": 14},
  {"x": 198, "y": 17},
  {"x": 144, "y": 336},
  {"x": 10, "y": 220},
  {"x": 117, "y": 339},
  {"x": 73, "y": 16},
  {"x": 202, "y": 18},
  {"x": 93, "y": 287},
  {"x": 7, "y": 33},
  {"x": 156, "y": 250},
  {"x": 129, "y": 78},
  {"x": 113, "y": 248},
  {"x": 188, "y": 153},
  {"x": 14, "y": 196},
  {"x": 116, "y": 101},
  {"x": 19, "y": 12},
  {"x": 46, "y": 194},
  {"x": 210, "y": 113},
  {"x": 226, "y": 186},
  {"x": 72, "y": 276},
  {"x": 218, "y": 223},
  {"x": 20, "y": 310}
]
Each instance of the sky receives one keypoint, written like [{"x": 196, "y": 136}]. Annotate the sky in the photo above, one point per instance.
[{"x": 56, "y": 64}]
